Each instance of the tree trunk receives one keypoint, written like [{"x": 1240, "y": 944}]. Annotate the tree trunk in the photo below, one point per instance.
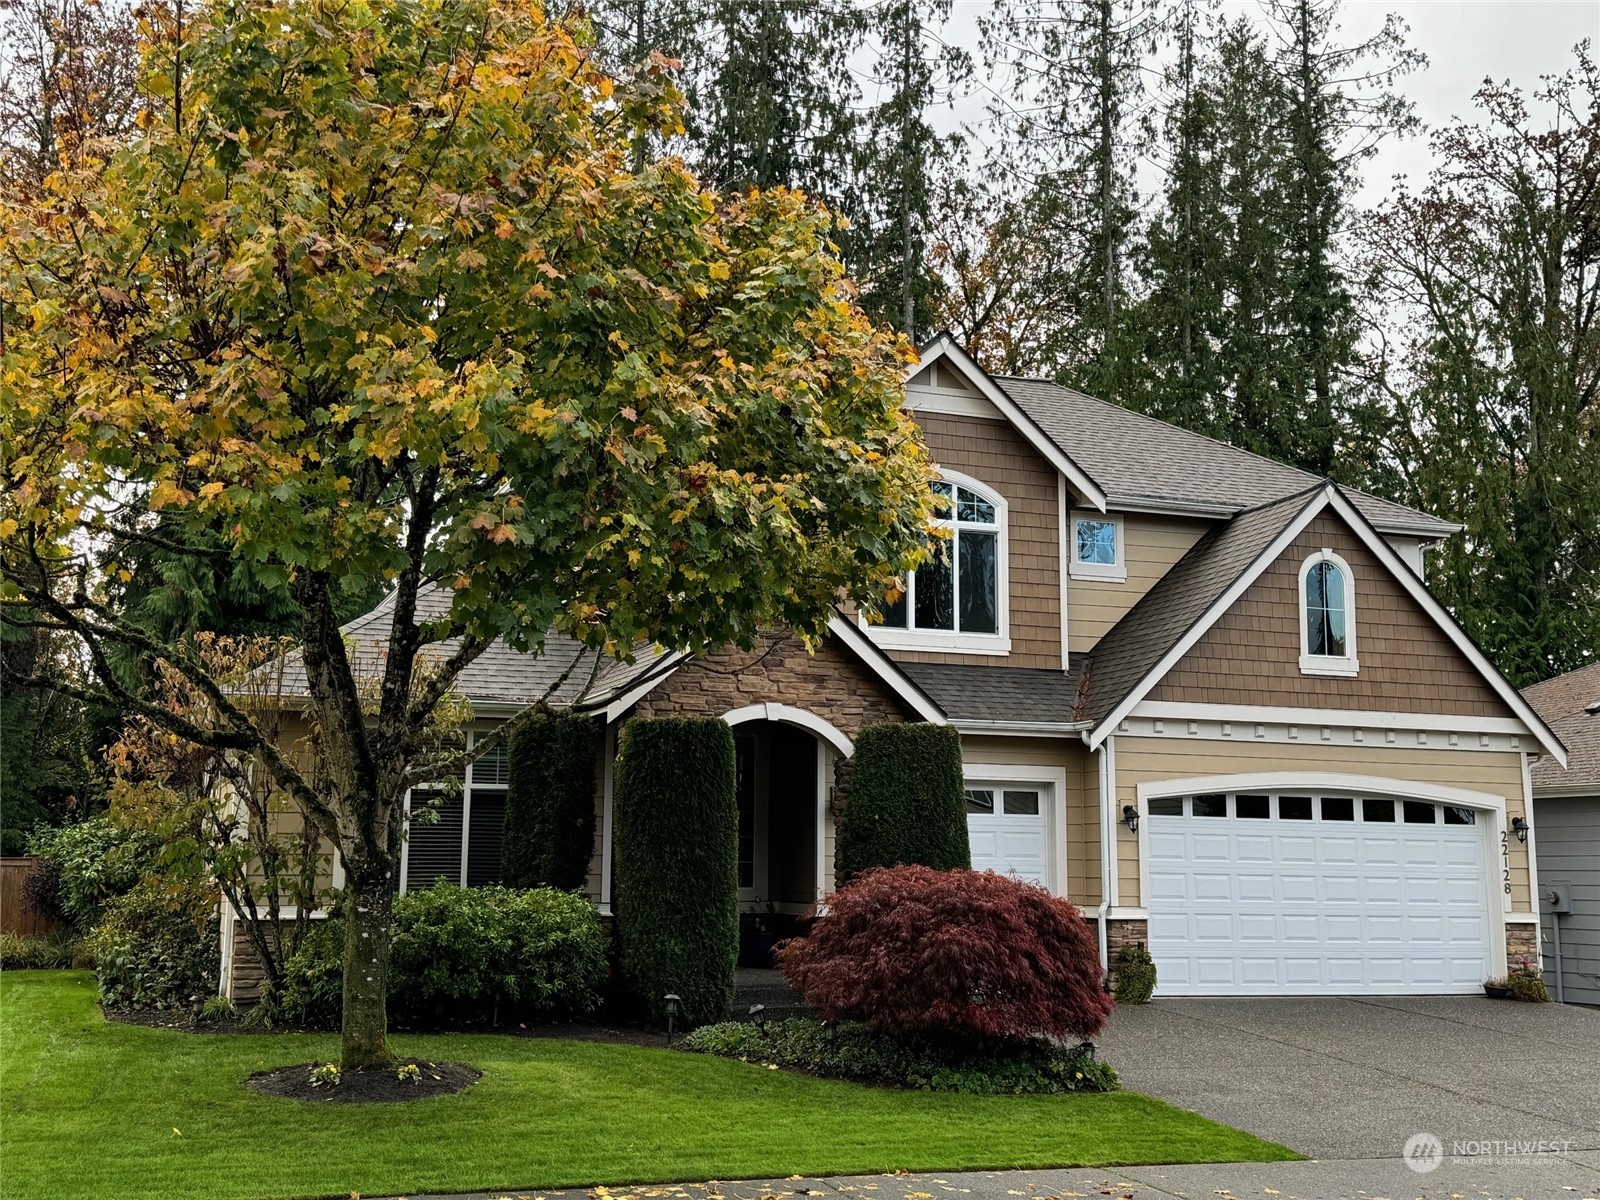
[{"x": 364, "y": 1035}]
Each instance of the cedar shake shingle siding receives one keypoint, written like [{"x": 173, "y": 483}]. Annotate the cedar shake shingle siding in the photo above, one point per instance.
[
  {"x": 832, "y": 683},
  {"x": 1252, "y": 654},
  {"x": 996, "y": 455}
]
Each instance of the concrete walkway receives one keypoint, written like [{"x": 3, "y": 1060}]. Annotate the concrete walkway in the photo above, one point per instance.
[{"x": 1570, "y": 1178}]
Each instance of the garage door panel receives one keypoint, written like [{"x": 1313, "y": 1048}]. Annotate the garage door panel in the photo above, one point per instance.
[
  {"x": 1341, "y": 889},
  {"x": 1257, "y": 886},
  {"x": 1254, "y": 848},
  {"x": 1265, "y": 906}
]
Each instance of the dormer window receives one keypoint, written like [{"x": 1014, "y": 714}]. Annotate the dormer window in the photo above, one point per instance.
[
  {"x": 1097, "y": 547},
  {"x": 1327, "y": 616},
  {"x": 957, "y": 599}
]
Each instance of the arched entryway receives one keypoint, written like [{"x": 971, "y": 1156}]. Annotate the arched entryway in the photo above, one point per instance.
[{"x": 785, "y": 757}]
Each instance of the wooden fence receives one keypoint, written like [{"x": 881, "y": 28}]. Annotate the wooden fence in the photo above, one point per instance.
[{"x": 14, "y": 914}]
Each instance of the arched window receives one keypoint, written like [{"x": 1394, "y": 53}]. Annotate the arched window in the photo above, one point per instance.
[
  {"x": 957, "y": 598},
  {"x": 1327, "y": 610}
]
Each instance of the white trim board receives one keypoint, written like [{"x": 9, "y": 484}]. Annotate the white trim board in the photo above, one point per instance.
[
  {"x": 1346, "y": 718},
  {"x": 944, "y": 346},
  {"x": 1329, "y": 496},
  {"x": 883, "y": 667},
  {"x": 1314, "y": 730}
]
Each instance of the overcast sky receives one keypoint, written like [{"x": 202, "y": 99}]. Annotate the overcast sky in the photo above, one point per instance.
[{"x": 1465, "y": 41}]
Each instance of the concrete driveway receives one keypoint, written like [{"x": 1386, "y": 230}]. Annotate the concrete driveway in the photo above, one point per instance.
[{"x": 1350, "y": 1079}]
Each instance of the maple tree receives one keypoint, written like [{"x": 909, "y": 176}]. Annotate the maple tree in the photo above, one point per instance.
[{"x": 377, "y": 291}]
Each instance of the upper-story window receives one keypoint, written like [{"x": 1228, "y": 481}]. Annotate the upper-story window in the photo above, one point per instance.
[
  {"x": 957, "y": 599},
  {"x": 1327, "y": 616},
  {"x": 1097, "y": 547}
]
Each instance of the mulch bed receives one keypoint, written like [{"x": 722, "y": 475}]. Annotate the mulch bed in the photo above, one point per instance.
[{"x": 367, "y": 1085}]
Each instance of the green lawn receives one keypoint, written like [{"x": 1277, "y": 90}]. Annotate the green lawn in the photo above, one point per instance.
[{"x": 101, "y": 1110}]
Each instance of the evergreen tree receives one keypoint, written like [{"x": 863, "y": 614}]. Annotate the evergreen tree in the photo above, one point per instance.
[
  {"x": 901, "y": 156},
  {"x": 1338, "y": 104},
  {"x": 1491, "y": 276},
  {"x": 1074, "y": 128}
]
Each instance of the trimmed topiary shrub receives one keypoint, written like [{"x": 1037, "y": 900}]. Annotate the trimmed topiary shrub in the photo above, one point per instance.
[
  {"x": 675, "y": 847},
  {"x": 1136, "y": 974},
  {"x": 157, "y": 945},
  {"x": 549, "y": 831},
  {"x": 462, "y": 955},
  {"x": 907, "y": 801},
  {"x": 983, "y": 1067},
  {"x": 914, "y": 950}
]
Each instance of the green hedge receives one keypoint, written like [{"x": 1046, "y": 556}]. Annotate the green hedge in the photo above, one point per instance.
[
  {"x": 675, "y": 848},
  {"x": 464, "y": 954},
  {"x": 906, "y": 803},
  {"x": 549, "y": 831},
  {"x": 157, "y": 945},
  {"x": 976, "y": 1066}
]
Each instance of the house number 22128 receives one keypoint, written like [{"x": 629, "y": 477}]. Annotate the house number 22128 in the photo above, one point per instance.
[{"x": 1505, "y": 861}]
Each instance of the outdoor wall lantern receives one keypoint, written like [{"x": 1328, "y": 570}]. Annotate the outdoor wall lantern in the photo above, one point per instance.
[
  {"x": 671, "y": 1000},
  {"x": 1130, "y": 814},
  {"x": 758, "y": 1014},
  {"x": 1520, "y": 828}
]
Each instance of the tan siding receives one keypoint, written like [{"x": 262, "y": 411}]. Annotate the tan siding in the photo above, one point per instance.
[
  {"x": 1082, "y": 812},
  {"x": 1151, "y": 545},
  {"x": 1150, "y": 760},
  {"x": 994, "y": 453},
  {"x": 1252, "y": 654}
]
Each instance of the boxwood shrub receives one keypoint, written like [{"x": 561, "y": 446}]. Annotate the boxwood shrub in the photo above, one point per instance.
[
  {"x": 675, "y": 847},
  {"x": 549, "y": 830},
  {"x": 977, "y": 1066},
  {"x": 464, "y": 954},
  {"x": 907, "y": 801}
]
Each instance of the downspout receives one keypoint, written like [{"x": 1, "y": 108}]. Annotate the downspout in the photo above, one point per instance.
[{"x": 1105, "y": 855}]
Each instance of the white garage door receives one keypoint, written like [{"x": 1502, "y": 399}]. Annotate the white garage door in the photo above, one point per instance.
[
  {"x": 1296, "y": 894},
  {"x": 1006, "y": 825}
]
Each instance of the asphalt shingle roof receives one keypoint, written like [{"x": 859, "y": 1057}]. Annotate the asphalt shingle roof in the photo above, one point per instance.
[
  {"x": 1135, "y": 458},
  {"x": 1565, "y": 703},
  {"x": 972, "y": 693},
  {"x": 1135, "y": 644},
  {"x": 500, "y": 675}
]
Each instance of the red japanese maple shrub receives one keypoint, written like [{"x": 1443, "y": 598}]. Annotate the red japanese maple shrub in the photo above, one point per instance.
[{"x": 911, "y": 949}]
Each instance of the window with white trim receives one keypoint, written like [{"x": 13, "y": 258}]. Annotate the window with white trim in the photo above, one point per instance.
[
  {"x": 1327, "y": 616},
  {"x": 1097, "y": 549},
  {"x": 957, "y": 598},
  {"x": 461, "y": 842}
]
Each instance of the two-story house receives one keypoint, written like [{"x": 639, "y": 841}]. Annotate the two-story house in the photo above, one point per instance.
[{"x": 1205, "y": 696}]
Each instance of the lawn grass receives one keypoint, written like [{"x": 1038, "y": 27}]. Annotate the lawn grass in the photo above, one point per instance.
[{"x": 91, "y": 1109}]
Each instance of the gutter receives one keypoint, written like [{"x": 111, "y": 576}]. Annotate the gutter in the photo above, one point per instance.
[{"x": 1032, "y": 728}]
